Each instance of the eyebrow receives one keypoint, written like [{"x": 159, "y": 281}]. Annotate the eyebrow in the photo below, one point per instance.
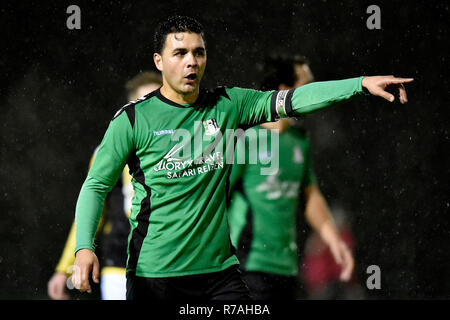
[{"x": 185, "y": 50}]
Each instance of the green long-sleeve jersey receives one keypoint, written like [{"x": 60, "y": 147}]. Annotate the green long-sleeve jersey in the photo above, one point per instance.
[
  {"x": 177, "y": 158},
  {"x": 262, "y": 213}
]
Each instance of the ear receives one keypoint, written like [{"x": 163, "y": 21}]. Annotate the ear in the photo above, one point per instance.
[{"x": 157, "y": 59}]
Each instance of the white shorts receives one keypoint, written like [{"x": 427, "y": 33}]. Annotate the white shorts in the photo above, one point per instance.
[{"x": 113, "y": 286}]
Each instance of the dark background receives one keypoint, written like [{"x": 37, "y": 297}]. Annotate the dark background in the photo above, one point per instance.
[{"x": 385, "y": 164}]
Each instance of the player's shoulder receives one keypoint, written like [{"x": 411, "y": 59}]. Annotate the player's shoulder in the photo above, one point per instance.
[
  {"x": 212, "y": 97},
  {"x": 239, "y": 90},
  {"x": 130, "y": 107},
  {"x": 215, "y": 94},
  {"x": 227, "y": 94}
]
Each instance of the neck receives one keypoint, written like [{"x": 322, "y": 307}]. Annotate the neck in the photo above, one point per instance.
[{"x": 178, "y": 97}]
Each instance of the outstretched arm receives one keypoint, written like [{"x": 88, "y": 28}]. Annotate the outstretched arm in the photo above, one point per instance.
[
  {"x": 320, "y": 95},
  {"x": 319, "y": 217},
  {"x": 256, "y": 107}
]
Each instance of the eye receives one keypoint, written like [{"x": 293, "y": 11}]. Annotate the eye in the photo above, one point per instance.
[{"x": 200, "y": 53}]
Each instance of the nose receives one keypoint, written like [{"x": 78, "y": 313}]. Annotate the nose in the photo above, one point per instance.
[{"x": 191, "y": 60}]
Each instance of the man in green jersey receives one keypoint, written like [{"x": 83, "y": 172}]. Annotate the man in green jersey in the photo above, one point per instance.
[
  {"x": 263, "y": 209},
  {"x": 172, "y": 141}
]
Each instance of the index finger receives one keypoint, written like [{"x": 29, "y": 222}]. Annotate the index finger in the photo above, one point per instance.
[{"x": 399, "y": 80}]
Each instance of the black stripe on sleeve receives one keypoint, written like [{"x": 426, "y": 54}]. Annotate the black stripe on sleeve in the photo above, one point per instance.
[
  {"x": 289, "y": 111},
  {"x": 273, "y": 107},
  {"x": 129, "y": 108},
  {"x": 140, "y": 232},
  {"x": 131, "y": 114}
]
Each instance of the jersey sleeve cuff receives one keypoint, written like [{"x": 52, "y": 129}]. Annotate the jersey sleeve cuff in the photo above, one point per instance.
[
  {"x": 92, "y": 248},
  {"x": 363, "y": 90}
]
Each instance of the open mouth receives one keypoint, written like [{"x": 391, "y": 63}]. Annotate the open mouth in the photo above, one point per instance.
[{"x": 191, "y": 76}]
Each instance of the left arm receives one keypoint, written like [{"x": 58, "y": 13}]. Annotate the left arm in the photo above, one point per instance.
[
  {"x": 256, "y": 107},
  {"x": 319, "y": 217},
  {"x": 320, "y": 95}
]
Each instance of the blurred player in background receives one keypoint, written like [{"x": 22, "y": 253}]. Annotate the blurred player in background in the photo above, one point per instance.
[
  {"x": 263, "y": 212},
  {"x": 114, "y": 228}
]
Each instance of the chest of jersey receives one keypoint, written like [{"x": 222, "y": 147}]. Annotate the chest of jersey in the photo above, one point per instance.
[{"x": 183, "y": 143}]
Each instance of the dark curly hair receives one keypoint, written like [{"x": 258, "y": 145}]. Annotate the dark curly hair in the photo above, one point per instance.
[{"x": 175, "y": 24}]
